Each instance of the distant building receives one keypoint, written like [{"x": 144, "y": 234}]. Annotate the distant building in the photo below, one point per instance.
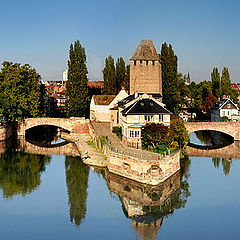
[{"x": 224, "y": 108}]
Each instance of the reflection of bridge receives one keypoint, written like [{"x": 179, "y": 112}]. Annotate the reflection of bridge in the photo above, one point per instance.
[
  {"x": 69, "y": 149},
  {"x": 73, "y": 125},
  {"x": 230, "y": 128},
  {"x": 230, "y": 151}
]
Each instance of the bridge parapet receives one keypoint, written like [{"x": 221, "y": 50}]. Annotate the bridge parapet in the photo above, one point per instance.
[
  {"x": 230, "y": 128},
  {"x": 74, "y": 125}
]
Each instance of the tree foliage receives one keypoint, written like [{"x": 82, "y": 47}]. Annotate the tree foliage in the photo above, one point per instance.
[
  {"x": 216, "y": 83},
  {"x": 115, "y": 78},
  {"x": 120, "y": 74},
  {"x": 159, "y": 137},
  {"x": 21, "y": 92},
  {"x": 173, "y": 84},
  {"x": 109, "y": 76},
  {"x": 77, "y": 88}
]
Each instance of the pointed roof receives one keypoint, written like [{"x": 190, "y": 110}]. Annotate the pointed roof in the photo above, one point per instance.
[
  {"x": 145, "y": 51},
  {"x": 145, "y": 106}
]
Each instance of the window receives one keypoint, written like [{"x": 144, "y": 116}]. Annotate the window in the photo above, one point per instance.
[
  {"x": 229, "y": 105},
  {"x": 148, "y": 118},
  {"x": 161, "y": 118},
  {"x": 137, "y": 133},
  {"x": 135, "y": 62},
  {"x": 223, "y": 113},
  {"x": 153, "y": 63},
  {"x": 131, "y": 133},
  {"x": 147, "y": 63},
  {"x": 140, "y": 62}
]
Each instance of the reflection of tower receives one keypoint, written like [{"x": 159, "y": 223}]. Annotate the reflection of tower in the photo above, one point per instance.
[
  {"x": 146, "y": 205},
  {"x": 147, "y": 231}
]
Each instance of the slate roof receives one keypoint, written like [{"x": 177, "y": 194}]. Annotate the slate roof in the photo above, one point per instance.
[
  {"x": 103, "y": 99},
  {"x": 126, "y": 100},
  {"x": 145, "y": 106},
  {"x": 145, "y": 51},
  {"x": 222, "y": 102}
]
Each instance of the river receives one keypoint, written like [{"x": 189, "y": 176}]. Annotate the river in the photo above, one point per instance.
[{"x": 58, "y": 197}]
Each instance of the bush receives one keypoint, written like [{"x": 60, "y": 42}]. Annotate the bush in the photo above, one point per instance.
[
  {"x": 118, "y": 131},
  {"x": 224, "y": 119}
]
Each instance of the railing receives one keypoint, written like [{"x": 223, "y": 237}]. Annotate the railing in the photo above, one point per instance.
[{"x": 142, "y": 155}]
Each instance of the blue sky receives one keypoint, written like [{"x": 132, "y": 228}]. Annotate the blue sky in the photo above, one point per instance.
[{"x": 204, "y": 34}]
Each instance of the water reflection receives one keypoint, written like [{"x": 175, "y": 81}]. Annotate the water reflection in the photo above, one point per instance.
[
  {"x": 20, "y": 173},
  {"x": 226, "y": 164},
  {"x": 77, "y": 184},
  {"x": 146, "y": 205},
  {"x": 209, "y": 139}
]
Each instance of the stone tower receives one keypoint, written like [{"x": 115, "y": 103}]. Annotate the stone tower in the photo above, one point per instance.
[{"x": 145, "y": 70}]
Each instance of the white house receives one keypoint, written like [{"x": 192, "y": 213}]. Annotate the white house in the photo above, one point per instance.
[
  {"x": 224, "y": 108},
  {"x": 135, "y": 111},
  {"x": 101, "y": 106}
]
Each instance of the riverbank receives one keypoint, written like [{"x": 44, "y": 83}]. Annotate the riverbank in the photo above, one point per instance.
[{"x": 141, "y": 166}]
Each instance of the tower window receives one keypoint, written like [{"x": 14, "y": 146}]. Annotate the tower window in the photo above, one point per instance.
[
  {"x": 140, "y": 62},
  {"x": 147, "y": 63},
  {"x": 153, "y": 63},
  {"x": 135, "y": 62}
]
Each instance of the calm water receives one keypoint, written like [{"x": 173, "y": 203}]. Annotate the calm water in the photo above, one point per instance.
[{"x": 58, "y": 197}]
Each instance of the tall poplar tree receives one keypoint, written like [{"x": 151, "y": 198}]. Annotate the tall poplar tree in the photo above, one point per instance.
[
  {"x": 120, "y": 73},
  {"x": 109, "y": 76},
  {"x": 77, "y": 88},
  {"x": 216, "y": 83},
  {"x": 225, "y": 82},
  {"x": 170, "y": 84},
  {"x": 126, "y": 83}
]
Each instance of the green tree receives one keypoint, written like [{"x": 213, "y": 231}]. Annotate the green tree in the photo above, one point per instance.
[
  {"x": 226, "y": 86},
  {"x": 21, "y": 92},
  {"x": 170, "y": 78},
  {"x": 120, "y": 74},
  {"x": 109, "y": 77},
  {"x": 216, "y": 83},
  {"x": 178, "y": 133},
  {"x": 77, "y": 184},
  {"x": 77, "y": 85},
  {"x": 126, "y": 83},
  {"x": 183, "y": 90}
]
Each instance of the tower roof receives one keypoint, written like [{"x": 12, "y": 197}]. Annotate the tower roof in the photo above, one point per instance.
[{"x": 145, "y": 51}]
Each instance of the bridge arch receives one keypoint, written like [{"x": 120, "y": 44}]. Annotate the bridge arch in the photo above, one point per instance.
[
  {"x": 73, "y": 125},
  {"x": 230, "y": 128}
]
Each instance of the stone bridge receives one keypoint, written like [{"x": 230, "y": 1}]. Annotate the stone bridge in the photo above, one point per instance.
[
  {"x": 230, "y": 128},
  {"x": 74, "y": 125},
  {"x": 230, "y": 151}
]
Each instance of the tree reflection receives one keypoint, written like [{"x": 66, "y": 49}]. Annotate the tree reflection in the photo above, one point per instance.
[
  {"x": 226, "y": 164},
  {"x": 77, "y": 183},
  {"x": 20, "y": 172}
]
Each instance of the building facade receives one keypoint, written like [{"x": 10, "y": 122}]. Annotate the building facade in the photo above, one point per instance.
[{"x": 224, "y": 108}]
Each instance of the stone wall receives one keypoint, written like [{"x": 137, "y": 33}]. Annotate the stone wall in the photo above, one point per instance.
[
  {"x": 146, "y": 171},
  {"x": 145, "y": 78},
  {"x": 5, "y": 132}
]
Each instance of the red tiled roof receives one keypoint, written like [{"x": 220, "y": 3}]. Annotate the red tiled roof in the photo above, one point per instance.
[
  {"x": 95, "y": 84},
  {"x": 103, "y": 99}
]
